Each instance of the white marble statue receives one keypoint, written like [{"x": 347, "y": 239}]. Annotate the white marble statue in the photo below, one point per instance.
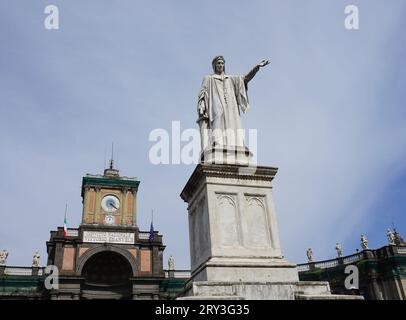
[
  {"x": 391, "y": 237},
  {"x": 339, "y": 250},
  {"x": 364, "y": 242},
  {"x": 309, "y": 254},
  {"x": 3, "y": 257},
  {"x": 221, "y": 101},
  {"x": 36, "y": 260},
  {"x": 171, "y": 263}
]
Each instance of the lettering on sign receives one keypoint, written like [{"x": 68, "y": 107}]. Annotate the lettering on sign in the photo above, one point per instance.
[{"x": 110, "y": 237}]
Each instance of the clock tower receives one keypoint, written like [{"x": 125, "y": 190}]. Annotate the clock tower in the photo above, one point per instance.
[{"x": 109, "y": 199}]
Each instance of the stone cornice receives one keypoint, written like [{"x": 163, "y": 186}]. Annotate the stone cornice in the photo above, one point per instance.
[
  {"x": 227, "y": 171},
  {"x": 108, "y": 182}
]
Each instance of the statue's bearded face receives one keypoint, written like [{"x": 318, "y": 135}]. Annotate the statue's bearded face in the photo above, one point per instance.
[{"x": 219, "y": 66}]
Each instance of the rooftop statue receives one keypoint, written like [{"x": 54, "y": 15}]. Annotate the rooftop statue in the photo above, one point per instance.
[
  {"x": 391, "y": 237},
  {"x": 364, "y": 242},
  {"x": 3, "y": 257},
  {"x": 309, "y": 254},
  {"x": 339, "y": 250},
  {"x": 171, "y": 263},
  {"x": 36, "y": 260}
]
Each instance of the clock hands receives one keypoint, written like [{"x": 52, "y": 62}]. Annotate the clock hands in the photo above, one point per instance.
[{"x": 110, "y": 203}]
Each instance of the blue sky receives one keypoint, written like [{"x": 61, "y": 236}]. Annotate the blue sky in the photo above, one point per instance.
[{"x": 329, "y": 111}]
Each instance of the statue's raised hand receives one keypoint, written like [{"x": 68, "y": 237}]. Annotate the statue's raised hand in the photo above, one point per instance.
[
  {"x": 254, "y": 70},
  {"x": 263, "y": 63}
]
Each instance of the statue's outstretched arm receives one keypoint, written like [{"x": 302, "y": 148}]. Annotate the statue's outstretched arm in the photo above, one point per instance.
[{"x": 254, "y": 71}]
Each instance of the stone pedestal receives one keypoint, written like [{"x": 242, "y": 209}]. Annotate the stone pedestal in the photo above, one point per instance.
[
  {"x": 233, "y": 226},
  {"x": 234, "y": 239},
  {"x": 2, "y": 269},
  {"x": 34, "y": 271}
]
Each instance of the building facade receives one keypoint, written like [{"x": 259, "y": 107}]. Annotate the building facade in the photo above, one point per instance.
[
  {"x": 106, "y": 257},
  {"x": 381, "y": 273}
]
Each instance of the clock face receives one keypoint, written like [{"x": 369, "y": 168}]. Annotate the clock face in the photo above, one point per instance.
[
  {"x": 109, "y": 219},
  {"x": 110, "y": 203}
]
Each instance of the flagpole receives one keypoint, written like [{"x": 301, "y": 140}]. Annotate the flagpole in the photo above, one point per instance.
[
  {"x": 65, "y": 228},
  {"x": 151, "y": 229}
]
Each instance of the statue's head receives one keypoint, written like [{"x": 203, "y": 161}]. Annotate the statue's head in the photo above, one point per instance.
[{"x": 218, "y": 64}]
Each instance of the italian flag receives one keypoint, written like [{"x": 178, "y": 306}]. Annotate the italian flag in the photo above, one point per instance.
[{"x": 65, "y": 229}]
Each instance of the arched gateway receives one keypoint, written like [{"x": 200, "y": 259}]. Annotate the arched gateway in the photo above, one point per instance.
[{"x": 106, "y": 275}]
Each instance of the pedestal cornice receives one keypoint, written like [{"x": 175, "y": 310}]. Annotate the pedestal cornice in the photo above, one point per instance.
[{"x": 226, "y": 171}]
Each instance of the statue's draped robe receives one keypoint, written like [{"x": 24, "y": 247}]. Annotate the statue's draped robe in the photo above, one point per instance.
[{"x": 222, "y": 98}]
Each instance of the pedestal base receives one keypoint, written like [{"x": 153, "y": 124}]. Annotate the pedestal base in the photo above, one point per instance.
[
  {"x": 252, "y": 269},
  {"x": 226, "y": 155},
  {"x": 221, "y": 290}
]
